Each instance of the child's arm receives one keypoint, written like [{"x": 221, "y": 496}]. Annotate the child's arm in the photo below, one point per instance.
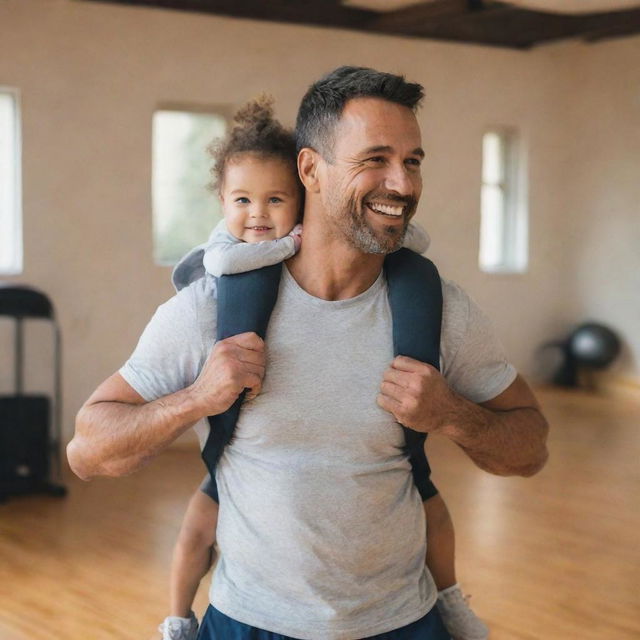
[
  {"x": 226, "y": 254},
  {"x": 193, "y": 554},
  {"x": 416, "y": 238}
]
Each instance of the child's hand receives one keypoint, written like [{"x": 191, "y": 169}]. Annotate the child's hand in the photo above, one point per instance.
[{"x": 296, "y": 234}]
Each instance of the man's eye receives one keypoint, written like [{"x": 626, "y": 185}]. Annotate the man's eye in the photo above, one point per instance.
[
  {"x": 242, "y": 200},
  {"x": 414, "y": 164},
  {"x": 376, "y": 159}
]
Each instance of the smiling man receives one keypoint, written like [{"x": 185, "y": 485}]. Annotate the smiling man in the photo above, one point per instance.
[{"x": 321, "y": 529}]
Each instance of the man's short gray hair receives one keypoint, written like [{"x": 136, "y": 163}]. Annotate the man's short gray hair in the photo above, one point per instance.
[{"x": 322, "y": 105}]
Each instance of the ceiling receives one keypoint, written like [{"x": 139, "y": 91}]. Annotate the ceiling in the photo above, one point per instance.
[{"x": 518, "y": 24}]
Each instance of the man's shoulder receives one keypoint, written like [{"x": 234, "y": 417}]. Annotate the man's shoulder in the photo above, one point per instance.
[
  {"x": 199, "y": 293},
  {"x": 189, "y": 308},
  {"x": 455, "y": 299}
]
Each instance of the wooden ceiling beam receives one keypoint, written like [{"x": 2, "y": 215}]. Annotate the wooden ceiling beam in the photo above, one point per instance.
[
  {"x": 486, "y": 22},
  {"x": 329, "y": 13},
  {"x": 418, "y": 14},
  {"x": 611, "y": 25},
  {"x": 459, "y": 21}
]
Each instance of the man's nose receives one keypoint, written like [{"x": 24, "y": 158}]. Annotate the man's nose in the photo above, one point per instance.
[{"x": 398, "y": 180}]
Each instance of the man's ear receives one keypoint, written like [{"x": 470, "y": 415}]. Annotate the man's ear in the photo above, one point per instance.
[{"x": 308, "y": 161}]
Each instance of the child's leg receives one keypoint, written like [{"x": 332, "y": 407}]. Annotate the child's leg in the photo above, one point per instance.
[
  {"x": 193, "y": 553},
  {"x": 461, "y": 622},
  {"x": 440, "y": 542}
]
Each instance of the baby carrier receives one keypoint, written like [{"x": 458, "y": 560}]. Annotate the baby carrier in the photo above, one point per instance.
[{"x": 245, "y": 302}]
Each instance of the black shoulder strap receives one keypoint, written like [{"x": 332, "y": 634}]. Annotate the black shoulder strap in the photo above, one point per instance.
[
  {"x": 244, "y": 303},
  {"x": 415, "y": 298}
]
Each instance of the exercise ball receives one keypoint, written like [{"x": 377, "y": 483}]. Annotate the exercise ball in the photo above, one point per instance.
[{"x": 593, "y": 346}]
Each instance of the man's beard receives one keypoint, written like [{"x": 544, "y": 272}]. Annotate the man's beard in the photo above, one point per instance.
[{"x": 353, "y": 223}]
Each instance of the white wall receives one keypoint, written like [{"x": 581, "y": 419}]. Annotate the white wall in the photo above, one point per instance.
[{"x": 91, "y": 76}]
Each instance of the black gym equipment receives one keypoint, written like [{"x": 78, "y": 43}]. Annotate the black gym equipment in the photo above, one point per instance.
[
  {"x": 589, "y": 347},
  {"x": 30, "y": 427}
]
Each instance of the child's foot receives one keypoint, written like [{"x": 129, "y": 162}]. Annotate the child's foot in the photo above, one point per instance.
[
  {"x": 174, "y": 628},
  {"x": 458, "y": 617}
]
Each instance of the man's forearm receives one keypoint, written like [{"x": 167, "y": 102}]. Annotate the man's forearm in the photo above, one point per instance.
[
  {"x": 504, "y": 442},
  {"x": 505, "y": 435},
  {"x": 117, "y": 432},
  {"x": 116, "y": 438}
]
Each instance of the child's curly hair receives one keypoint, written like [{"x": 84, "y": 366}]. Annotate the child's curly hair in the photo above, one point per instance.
[{"x": 255, "y": 131}]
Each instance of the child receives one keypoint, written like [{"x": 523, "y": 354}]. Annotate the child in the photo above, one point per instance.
[{"x": 256, "y": 179}]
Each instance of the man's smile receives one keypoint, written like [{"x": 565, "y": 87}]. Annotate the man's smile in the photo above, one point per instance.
[{"x": 388, "y": 210}]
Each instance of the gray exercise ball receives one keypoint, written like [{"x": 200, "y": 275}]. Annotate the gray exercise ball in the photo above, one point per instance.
[{"x": 593, "y": 345}]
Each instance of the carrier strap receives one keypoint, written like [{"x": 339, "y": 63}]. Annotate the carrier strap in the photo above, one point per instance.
[
  {"x": 415, "y": 298},
  {"x": 244, "y": 303}
]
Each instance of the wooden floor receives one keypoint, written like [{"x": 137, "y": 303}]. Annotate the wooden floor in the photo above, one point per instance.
[{"x": 552, "y": 557}]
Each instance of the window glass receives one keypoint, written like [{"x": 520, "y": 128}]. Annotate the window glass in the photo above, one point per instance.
[
  {"x": 10, "y": 183},
  {"x": 184, "y": 210},
  {"x": 503, "y": 205}
]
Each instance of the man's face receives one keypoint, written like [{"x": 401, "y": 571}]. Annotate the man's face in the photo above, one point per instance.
[{"x": 372, "y": 182}]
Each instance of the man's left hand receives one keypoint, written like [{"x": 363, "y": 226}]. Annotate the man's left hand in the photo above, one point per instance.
[{"x": 417, "y": 395}]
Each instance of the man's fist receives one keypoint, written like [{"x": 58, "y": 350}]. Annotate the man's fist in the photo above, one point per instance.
[
  {"x": 417, "y": 396},
  {"x": 234, "y": 364}
]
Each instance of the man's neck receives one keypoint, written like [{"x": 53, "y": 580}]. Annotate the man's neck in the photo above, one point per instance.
[{"x": 328, "y": 268}]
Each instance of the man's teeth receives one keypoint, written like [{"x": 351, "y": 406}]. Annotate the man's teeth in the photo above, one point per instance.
[{"x": 386, "y": 209}]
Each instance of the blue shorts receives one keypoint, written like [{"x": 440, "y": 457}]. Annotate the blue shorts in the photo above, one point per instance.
[{"x": 217, "y": 626}]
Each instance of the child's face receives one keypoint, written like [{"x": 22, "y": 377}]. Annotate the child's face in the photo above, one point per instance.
[{"x": 260, "y": 198}]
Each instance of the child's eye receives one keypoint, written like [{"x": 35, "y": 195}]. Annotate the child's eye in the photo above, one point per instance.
[
  {"x": 275, "y": 200},
  {"x": 242, "y": 200}
]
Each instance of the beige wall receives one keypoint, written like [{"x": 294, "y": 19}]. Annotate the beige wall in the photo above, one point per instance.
[
  {"x": 602, "y": 165},
  {"x": 91, "y": 76}
]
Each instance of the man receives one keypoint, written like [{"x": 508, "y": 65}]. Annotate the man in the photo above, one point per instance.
[{"x": 321, "y": 530}]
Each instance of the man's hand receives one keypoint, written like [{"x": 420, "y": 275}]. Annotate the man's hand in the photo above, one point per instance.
[
  {"x": 233, "y": 365},
  {"x": 505, "y": 435},
  {"x": 416, "y": 394}
]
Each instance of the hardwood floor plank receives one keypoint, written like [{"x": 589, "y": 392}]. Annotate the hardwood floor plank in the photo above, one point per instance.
[{"x": 553, "y": 557}]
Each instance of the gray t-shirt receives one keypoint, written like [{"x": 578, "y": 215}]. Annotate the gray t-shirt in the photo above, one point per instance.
[{"x": 321, "y": 530}]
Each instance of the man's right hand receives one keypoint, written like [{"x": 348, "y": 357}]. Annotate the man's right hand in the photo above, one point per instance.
[{"x": 234, "y": 364}]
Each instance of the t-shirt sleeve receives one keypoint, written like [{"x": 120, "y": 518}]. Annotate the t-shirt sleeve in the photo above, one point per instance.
[
  {"x": 173, "y": 347},
  {"x": 474, "y": 362}
]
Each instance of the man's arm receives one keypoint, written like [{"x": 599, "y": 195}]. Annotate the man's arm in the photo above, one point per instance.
[
  {"x": 506, "y": 435},
  {"x": 117, "y": 432}
]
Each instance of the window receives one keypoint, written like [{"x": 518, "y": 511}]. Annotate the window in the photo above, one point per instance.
[
  {"x": 184, "y": 210},
  {"x": 10, "y": 183},
  {"x": 503, "y": 225}
]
